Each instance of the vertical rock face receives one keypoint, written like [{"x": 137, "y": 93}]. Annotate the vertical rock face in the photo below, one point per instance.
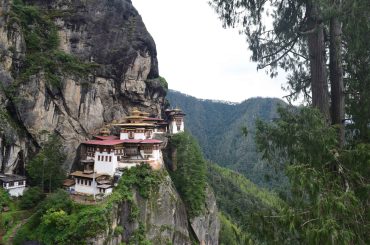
[
  {"x": 207, "y": 226},
  {"x": 107, "y": 33},
  {"x": 165, "y": 219},
  {"x": 164, "y": 216},
  {"x": 110, "y": 35}
]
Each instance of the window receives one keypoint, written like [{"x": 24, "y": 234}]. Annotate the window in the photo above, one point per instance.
[
  {"x": 131, "y": 151},
  {"x": 89, "y": 182},
  {"x": 131, "y": 135},
  {"x": 110, "y": 158},
  {"x": 147, "y": 149},
  {"x": 85, "y": 181},
  {"x": 20, "y": 182},
  {"x": 11, "y": 184},
  {"x": 106, "y": 158}
]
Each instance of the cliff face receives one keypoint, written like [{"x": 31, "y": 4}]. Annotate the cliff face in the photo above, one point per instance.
[
  {"x": 104, "y": 64},
  {"x": 165, "y": 220},
  {"x": 108, "y": 35}
]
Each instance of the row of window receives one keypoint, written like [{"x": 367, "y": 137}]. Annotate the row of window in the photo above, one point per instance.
[
  {"x": 91, "y": 151},
  {"x": 131, "y": 135},
  {"x": 11, "y": 184},
  {"x": 107, "y": 158},
  {"x": 84, "y": 182}
]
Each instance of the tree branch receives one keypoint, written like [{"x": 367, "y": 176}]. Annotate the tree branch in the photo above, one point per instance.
[{"x": 285, "y": 53}]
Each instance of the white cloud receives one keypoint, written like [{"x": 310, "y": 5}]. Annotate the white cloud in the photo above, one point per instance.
[{"x": 198, "y": 57}]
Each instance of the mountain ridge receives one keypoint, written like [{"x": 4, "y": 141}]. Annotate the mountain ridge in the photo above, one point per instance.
[{"x": 218, "y": 128}]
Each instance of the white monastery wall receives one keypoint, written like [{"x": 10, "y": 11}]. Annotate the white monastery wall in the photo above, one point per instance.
[{"x": 104, "y": 165}]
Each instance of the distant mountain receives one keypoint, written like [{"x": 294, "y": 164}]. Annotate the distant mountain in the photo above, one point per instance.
[{"x": 218, "y": 127}]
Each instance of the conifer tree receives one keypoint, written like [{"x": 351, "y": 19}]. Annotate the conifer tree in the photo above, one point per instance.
[{"x": 46, "y": 168}]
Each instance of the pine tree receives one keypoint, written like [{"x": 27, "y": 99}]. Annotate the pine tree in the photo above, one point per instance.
[{"x": 46, "y": 168}]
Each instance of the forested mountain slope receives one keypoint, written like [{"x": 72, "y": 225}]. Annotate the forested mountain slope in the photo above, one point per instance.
[
  {"x": 241, "y": 202},
  {"x": 218, "y": 126}
]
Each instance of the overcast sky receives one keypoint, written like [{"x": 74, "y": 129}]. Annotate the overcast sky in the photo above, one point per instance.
[{"x": 200, "y": 58}]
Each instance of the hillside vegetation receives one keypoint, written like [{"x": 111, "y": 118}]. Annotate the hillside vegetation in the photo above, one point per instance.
[
  {"x": 241, "y": 203},
  {"x": 219, "y": 129}
]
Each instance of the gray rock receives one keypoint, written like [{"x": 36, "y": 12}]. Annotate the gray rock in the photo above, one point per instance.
[
  {"x": 109, "y": 33},
  {"x": 207, "y": 226}
]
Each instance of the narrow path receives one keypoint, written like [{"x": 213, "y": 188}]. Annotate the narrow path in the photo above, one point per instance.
[{"x": 11, "y": 237}]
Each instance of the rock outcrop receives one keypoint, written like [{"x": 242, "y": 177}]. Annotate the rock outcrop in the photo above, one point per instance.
[
  {"x": 110, "y": 35},
  {"x": 165, "y": 219},
  {"x": 207, "y": 226},
  {"x": 163, "y": 215}
]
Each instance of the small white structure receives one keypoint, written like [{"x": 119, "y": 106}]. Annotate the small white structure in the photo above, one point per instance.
[
  {"x": 91, "y": 183},
  {"x": 14, "y": 184},
  {"x": 175, "y": 118}
]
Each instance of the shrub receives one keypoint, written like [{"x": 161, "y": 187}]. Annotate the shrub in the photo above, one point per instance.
[
  {"x": 31, "y": 198},
  {"x": 4, "y": 198}
]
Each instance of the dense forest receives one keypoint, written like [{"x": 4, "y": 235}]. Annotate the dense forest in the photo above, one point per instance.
[
  {"x": 324, "y": 146},
  {"x": 240, "y": 202},
  {"x": 221, "y": 127}
]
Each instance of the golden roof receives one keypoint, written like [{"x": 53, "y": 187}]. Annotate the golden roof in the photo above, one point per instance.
[
  {"x": 104, "y": 131},
  {"x": 134, "y": 115}
]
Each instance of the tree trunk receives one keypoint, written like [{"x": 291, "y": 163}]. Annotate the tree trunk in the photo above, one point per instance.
[
  {"x": 336, "y": 78},
  {"x": 316, "y": 49}
]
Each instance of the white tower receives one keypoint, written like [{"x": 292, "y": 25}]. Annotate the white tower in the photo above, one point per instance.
[{"x": 175, "y": 119}]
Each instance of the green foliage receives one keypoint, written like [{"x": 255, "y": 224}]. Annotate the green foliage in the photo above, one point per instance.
[
  {"x": 280, "y": 44},
  {"x": 58, "y": 220},
  {"x": 190, "y": 173},
  {"x": 356, "y": 27},
  {"x": 163, "y": 82},
  {"x": 240, "y": 201},
  {"x": 46, "y": 168},
  {"x": 328, "y": 204},
  {"x": 220, "y": 131},
  {"x": 4, "y": 198},
  {"x": 230, "y": 234},
  {"x": 10, "y": 219},
  {"x": 42, "y": 43},
  {"x": 298, "y": 137},
  {"x": 31, "y": 197},
  {"x": 139, "y": 236}
]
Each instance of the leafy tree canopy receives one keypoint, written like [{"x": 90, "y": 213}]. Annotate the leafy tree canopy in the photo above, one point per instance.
[
  {"x": 328, "y": 201},
  {"x": 46, "y": 168}
]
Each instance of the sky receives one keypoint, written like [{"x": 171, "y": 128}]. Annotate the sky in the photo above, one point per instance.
[{"x": 197, "y": 56}]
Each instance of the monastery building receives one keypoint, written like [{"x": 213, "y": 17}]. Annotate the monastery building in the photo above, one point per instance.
[{"x": 105, "y": 157}]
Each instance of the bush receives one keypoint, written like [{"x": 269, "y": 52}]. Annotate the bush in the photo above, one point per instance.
[
  {"x": 58, "y": 220},
  {"x": 31, "y": 198},
  {"x": 4, "y": 198}
]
